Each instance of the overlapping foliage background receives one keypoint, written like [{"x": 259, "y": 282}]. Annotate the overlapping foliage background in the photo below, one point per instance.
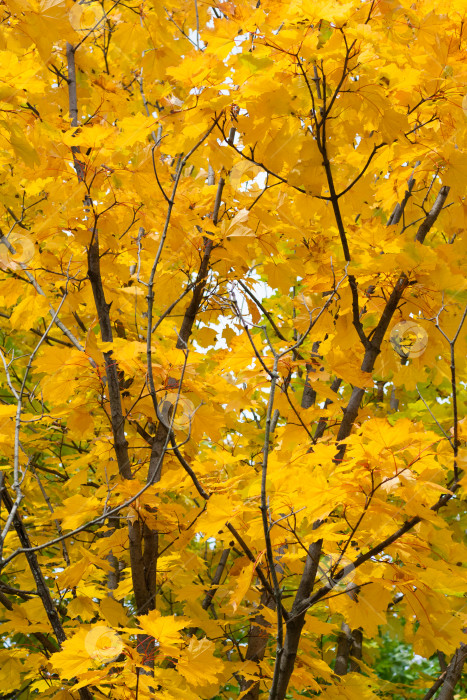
[{"x": 233, "y": 345}]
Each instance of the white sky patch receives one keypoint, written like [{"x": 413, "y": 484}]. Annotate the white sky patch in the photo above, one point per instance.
[{"x": 260, "y": 289}]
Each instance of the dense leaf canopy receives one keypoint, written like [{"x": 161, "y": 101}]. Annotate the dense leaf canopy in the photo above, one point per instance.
[{"x": 233, "y": 345}]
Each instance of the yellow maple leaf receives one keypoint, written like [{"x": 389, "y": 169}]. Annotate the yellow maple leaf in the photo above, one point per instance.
[
  {"x": 10, "y": 673},
  {"x": 242, "y": 584},
  {"x": 198, "y": 665},
  {"x": 165, "y": 629},
  {"x": 77, "y": 509},
  {"x": 74, "y": 658},
  {"x": 113, "y": 611}
]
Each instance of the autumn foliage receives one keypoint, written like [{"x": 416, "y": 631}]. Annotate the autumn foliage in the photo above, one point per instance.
[{"x": 233, "y": 348}]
